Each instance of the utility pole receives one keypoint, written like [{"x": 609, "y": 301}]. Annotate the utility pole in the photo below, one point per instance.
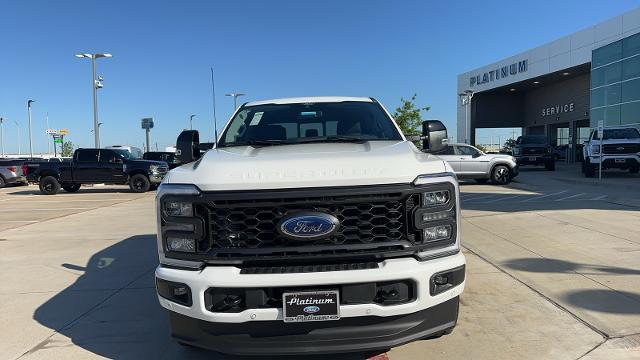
[
  {"x": 29, "y": 102},
  {"x": 19, "y": 136},
  {"x": 48, "y": 143},
  {"x": 147, "y": 125},
  {"x": 191, "y": 122},
  {"x": 465, "y": 100}
]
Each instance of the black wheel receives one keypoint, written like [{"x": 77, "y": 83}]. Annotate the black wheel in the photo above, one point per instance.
[
  {"x": 49, "y": 185},
  {"x": 587, "y": 169},
  {"x": 482, "y": 181},
  {"x": 2, "y": 183},
  {"x": 501, "y": 175},
  {"x": 550, "y": 165},
  {"x": 139, "y": 183},
  {"x": 71, "y": 188}
]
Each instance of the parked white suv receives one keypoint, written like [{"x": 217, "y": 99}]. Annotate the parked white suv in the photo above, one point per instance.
[
  {"x": 312, "y": 227},
  {"x": 620, "y": 147},
  {"x": 469, "y": 162}
]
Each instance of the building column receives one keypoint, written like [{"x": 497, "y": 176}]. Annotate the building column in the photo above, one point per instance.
[{"x": 573, "y": 142}]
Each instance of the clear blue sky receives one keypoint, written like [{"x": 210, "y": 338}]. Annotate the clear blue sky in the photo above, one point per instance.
[{"x": 163, "y": 50}]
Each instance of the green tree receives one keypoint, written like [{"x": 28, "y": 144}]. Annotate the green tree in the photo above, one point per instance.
[
  {"x": 408, "y": 116},
  {"x": 508, "y": 145},
  {"x": 67, "y": 149}
]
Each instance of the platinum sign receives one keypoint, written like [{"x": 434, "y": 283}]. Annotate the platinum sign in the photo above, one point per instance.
[{"x": 499, "y": 73}]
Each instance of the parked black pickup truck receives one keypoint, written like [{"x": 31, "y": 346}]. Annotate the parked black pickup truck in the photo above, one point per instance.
[
  {"x": 170, "y": 158},
  {"x": 106, "y": 166},
  {"x": 534, "y": 150}
]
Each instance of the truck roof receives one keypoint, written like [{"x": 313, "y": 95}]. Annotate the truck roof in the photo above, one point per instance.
[{"x": 311, "y": 99}]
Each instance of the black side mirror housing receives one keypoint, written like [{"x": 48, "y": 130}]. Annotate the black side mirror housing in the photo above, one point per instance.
[
  {"x": 188, "y": 146},
  {"x": 434, "y": 135}
]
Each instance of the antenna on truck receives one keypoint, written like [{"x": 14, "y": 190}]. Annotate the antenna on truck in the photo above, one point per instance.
[{"x": 215, "y": 120}]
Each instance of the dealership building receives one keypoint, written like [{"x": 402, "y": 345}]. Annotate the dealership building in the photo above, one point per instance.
[{"x": 560, "y": 89}]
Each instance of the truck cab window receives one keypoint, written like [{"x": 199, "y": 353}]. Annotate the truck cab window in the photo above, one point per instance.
[{"x": 88, "y": 156}]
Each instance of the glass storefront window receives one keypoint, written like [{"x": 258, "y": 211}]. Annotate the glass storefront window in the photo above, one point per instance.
[
  {"x": 630, "y": 113},
  {"x": 631, "y": 46},
  {"x": 630, "y": 90},
  {"x": 607, "y": 95},
  {"x": 607, "y": 54},
  {"x": 631, "y": 68},
  {"x": 612, "y": 115},
  {"x": 606, "y": 75},
  {"x": 562, "y": 136},
  {"x": 596, "y": 115}
]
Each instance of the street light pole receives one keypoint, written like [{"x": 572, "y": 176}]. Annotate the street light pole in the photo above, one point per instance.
[
  {"x": 96, "y": 83},
  {"x": 191, "y": 122},
  {"x": 2, "y": 135},
  {"x": 29, "y": 102},
  {"x": 235, "y": 96},
  {"x": 465, "y": 99}
]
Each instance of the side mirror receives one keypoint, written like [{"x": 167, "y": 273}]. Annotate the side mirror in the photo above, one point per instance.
[
  {"x": 188, "y": 146},
  {"x": 434, "y": 135}
]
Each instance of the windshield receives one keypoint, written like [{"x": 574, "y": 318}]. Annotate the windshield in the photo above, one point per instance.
[
  {"x": 125, "y": 154},
  {"x": 312, "y": 122},
  {"x": 541, "y": 140},
  {"x": 629, "y": 133}
]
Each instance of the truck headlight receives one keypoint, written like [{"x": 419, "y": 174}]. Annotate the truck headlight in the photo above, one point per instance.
[
  {"x": 516, "y": 151},
  {"x": 433, "y": 198},
  {"x": 181, "y": 226},
  {"x": 595, "y": 149},
  {"x": 178, "y": 208},
  {"x": 153, "y": 168}
]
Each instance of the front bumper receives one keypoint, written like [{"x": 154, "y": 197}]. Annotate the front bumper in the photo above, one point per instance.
[
  {"x": 533, "y": 159},
  {"x": 616, "y": 161},
  {"x": 366, "y": 333},
  {"x": 16, "y": 180},
  {"x": 194, "y": 324},
  {"x": 156, "y": 178}
]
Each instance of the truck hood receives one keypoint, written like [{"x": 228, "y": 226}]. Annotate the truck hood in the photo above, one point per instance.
[{"x": 307, "y": 165}]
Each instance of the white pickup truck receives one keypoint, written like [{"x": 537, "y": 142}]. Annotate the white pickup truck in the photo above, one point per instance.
[
  {"x": 619, "y": 149},
  {"x": 312, "y": 227}
]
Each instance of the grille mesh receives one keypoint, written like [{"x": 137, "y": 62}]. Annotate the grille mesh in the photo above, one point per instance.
[{"x": 364, "y": 219}]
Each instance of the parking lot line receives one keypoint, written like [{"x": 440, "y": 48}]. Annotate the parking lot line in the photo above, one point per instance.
[
  {"x": 569, "y": 197},
  {"x": 544, "y": 196},
  {"x": 508, "y": 197},
  {"x": 481, "y": 197},
  {"x": 601, "y": 197}
]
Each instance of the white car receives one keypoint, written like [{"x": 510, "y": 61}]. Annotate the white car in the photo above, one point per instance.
[
  {"x": 312, "y": 227},
  {"x": 469, "y": 162}
]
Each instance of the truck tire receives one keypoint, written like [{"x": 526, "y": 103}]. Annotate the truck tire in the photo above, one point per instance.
[
  {"x": 49, "y": 185},
  {"x": 2, "y": 183},
  {"x": 71, "y": 188},
  {"x": 139, "y": 183},
  {"x": 588, "y": 170},
  {"x": 501, "y": 175},
  {"x": 550, "y": 165}
]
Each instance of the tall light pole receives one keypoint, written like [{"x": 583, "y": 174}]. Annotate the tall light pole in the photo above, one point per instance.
[
  {"x": 465, "y": 99},
  {"x": 29, "y": 102},
  {"x": 2, "y": 135},
  {"x": 96, "y": 83},
  {"x": 191, "y": 122},
  {"x": 19, "y": 135},
  {"x": 235, "y": 96}
]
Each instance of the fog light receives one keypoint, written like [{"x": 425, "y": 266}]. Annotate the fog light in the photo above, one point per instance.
[
  {"x": 180, "y": 290},
  {"x": 177, "y": 208},
  {"x": 440, "y": 280},
  {"x": 442, "y": 215},
  {"x": 181, "y": 244},
  {"x": 436, "y": 197},
  {"x": 436, "y": 233}
]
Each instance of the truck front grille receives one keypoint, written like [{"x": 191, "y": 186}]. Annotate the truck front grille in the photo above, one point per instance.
[
  {"x": 620, "y": 148},
  {"x": 364, "y": 219}
]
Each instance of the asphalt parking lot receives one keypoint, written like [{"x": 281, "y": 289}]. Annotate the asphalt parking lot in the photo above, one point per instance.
[{"x": 553, "y": 273}]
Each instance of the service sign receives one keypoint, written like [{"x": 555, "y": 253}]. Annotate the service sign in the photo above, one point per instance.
[{"x": 600, "y": 129}]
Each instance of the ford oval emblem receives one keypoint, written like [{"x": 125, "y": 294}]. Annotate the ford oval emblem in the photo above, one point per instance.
[
  {"x": 308, "y": 226},
  {"x": 311, "y": 309}
]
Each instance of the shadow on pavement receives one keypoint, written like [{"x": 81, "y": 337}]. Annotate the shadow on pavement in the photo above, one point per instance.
[
  {"x": 85, "y": 190},
  {"x": 545, "y": 265},
  {"x": 605, "y": 301},
  {"x": 112, "y": 309}
]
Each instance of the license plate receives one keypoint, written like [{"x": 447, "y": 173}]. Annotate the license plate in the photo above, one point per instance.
[
  {"x": 621, "y": 160},
  {"x": 311, "y": 306},
  {"x": 532, "y": 158}
]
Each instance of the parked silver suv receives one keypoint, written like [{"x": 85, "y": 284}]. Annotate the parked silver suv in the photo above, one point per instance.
[
  {"x": 470, "y": 163},
  {"x": 12, "y": 172}
]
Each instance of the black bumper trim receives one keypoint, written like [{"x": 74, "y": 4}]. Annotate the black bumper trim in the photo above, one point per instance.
[{"x": 358, "y": 334}]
